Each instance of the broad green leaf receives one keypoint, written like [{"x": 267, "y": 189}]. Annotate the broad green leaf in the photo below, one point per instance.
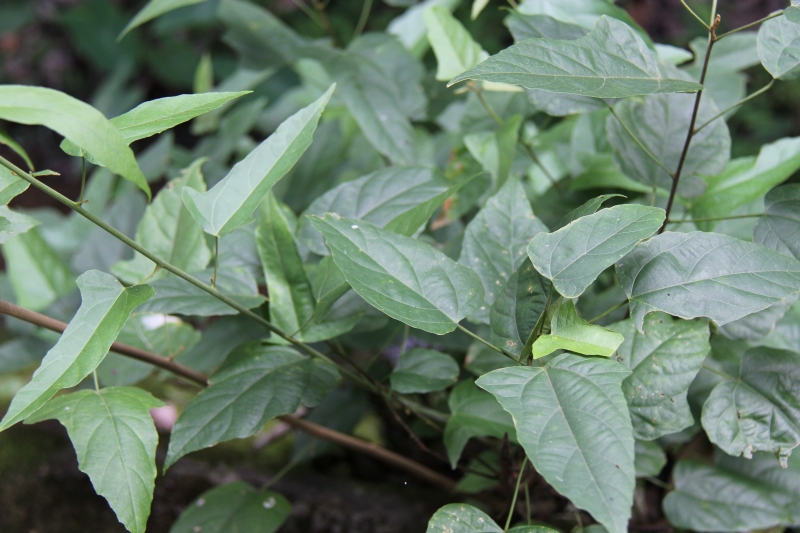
[
  {"x": 563, "y": 104},
  {"x": 405, "y": 278},
  {"x": 256, "y": 383},
  {"x": 758, "y": 409},
  {"x": 168, "y": 230},
  {"x": 793, "y": 13},
  {"x": 779, "y": 48},
  {"x": 11, "y": 185},
  {"x": 779, "y": 228},
  {"x": 324, "y": 378},
  {"x": 734, "y": 495},
  {"x": 455, "y": 49},
  {"x": 664, "y": 361},
  {"x": 571, "y": 333},
  {"x": 611, "y": 61},
  {"x": 590, "y": 207},
  {"x": 495, "y": 150},
  {"x": 215, "y": 344},
  {"x": 576, "y": 254},
  {"x": 473, "y": 413},
  {"x": 154, "y": 9},
  {"x": 519, "y": 307},
  {"x": 496, "y": 239},
  {"x": 575, "y": 405},
  {"x": 735, "y": 53},
  {"x": 38, "y": 275},
  {"x": 328, "y": 284},
  {"x": 400, "y": 199},
  {"x": 421, "y": 370},
  {"x": 115, "y": 440},
  {"x": 231, "y": 202},
  {"x": 410, "y": 27},
  {"x": 650, "y": 458},
  {"x": 82, "y": 124},
  {"x": 660, "y": 123},
  {"x": 14, "y": 145},
  {"x": 105, "y": 307},
  {"x": 464, "y": 518},
  {"x": 234, "y": 508},
  {"x": 540, "y": 26},
  {"x": 173, "y": 295},
  {"x": 699, "y": 274},
  {"x": 746, "y": 179}
]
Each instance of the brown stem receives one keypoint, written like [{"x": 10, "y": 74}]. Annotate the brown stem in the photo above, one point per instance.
[{"x": 346, "y": 441}]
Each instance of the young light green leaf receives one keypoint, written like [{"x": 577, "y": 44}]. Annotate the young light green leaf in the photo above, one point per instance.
[
  {"x": 746, "y": 179},
  {"x": 154, "y": 9},
  {"x": 115, "y": 440},
  {"x": 421, "y": 370},
  {"x": 575, "y": 405},
  {"x": 255, "y": 384},
  {"x": 650, "y": 458},
  {"x": 759, "y": 409},
  {"x": 105, "y": 307},
  {"x": 496, "y": 239},
  {"x": 576, "y": 254},
  {"x": 571, "y": 333},
  {"x": 405, "y": 278},
  {"x": 11, "y": 186},
  {"x": 234, "y": 508},
  {"x": 231, "y": 202},
  {"x": 611, "y": 61},
  {"x": 19, "y": 150},
  {"x": 664, "y": 361},
  {"x": 473, "y": 413},
  {"x": 455, "y": 49},
  {"x": 698, "y": 274},
  {"x": 779, "y": 48},
  {"x": 495, "y": 150},
  {"x": 779, "y": 228},
  {"x": 168, "y": 230},
  {"x": 82, "y": 124}
]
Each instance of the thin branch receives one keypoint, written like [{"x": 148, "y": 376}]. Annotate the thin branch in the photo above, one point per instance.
[
  {"x": 746, "y": 26},
  {"x": 644, "y": 148},
  {"x": 607, "y": 312},
  {"x": 737, "y": 104},
  {"x": 715, "y": 219},
  {"x": 487, "y": 343},
  {"x": 362, "y": 20},
  {"x": 516, "y": 492},
  {"x": 695, "y": 15}
]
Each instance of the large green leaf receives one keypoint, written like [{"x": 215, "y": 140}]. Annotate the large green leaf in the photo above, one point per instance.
[
  {"x": 779, "y": 47},
  {"x": 473, "y": 413},
  {"x": 115, "y": 441},
  {"x": 576, "y": 406},
  {"x": 698, "y": 274},
  {"x": 611, "y": 61},
  {"x": 664, "y": 361},
  {"x": 105, "y": 307},
  {"x": 538, "y": 26},
  {"x": 758, "y": 409},
  {"x": 571, "y": 333},
  {"x": 82, "y": 124},
  {"x": 746, "y": 179},
  {"x": 495, "y": 241},
  {"x": 576, "y": 254},
  {"x": 779, "y": 228},
  {"x": 495, "y": 150},
  {"x": 464, "y": 518},
  {"x": 455, "y": 49},
  {"x": 168, "y": 230},
  {"x": 234, "y": 508},
  {"x": 405, "y": 278},
  {"x": 255, "y": 384},
  {"x": 421, "y": 370},
  {"x": 734, "y": 495},
  {"x": 154, "y": 9},
  {"x": 231, "y": 202},
  {"x": 660, "y": 122}
]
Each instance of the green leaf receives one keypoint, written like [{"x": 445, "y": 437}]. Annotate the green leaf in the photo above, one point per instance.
[
  {"x": 11, "y": 186},
  {"x": 256, "y": 383},
  {"x": 746, "y": 179},
  {"x": 793, "y": 13},
  {"x": 154, "y": 9},
  {"x": 650, "y": 458},
  {"x": 115, "y": 440},
  {"x": 734, "y": 495},
  {"x": 758, "y": 409},
  {"x": 575, "y": 405},
  {"x": 328, "y": 284},
  {"x": 779, "y": 48},
  {"x": 396, "y": 198},
  {"x": 571, "y": 333},
  {"x": 576, "y": 254},
  {"x": 523, "y": 27},
  {"x": 82, "y": 124},
  {"x": 410, "y": 27},
  {"x": 590, "y": 207},
  {"x": 473, "y": 413},
  {"x": 519, "y": 307},
  {"x": 664, "y": 361},
  {"x": 673, "y": 54},
  {"x": 168, "y": 230},
  {"x": 231, "y": 202},
  {"x": 611, "y": 61},
  {"x": 234, "y": 508},
  {"x": 17, "y": 149},
  {"x": 15, "y": 223},
  {"x": 496, "y": 239},
  {"x": 405, "y": 278},
  {"x": 477, "y": 7},
  {"x": 779, "y": 228},
  {"x": 421, "y": 370},
  {"x": 698, "y": 274},
  {"x": 219, "y": 339},
  {"x": 495, "y": 150},
  {"x": 105, "y": 307},
  {"x": 324, "y": 378},
  {"x": 455, "y": 49},
  {"x": 38, "y": 275},
  {"x": 462, "y": 518},
  {"x": 660, "y": 123}
]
